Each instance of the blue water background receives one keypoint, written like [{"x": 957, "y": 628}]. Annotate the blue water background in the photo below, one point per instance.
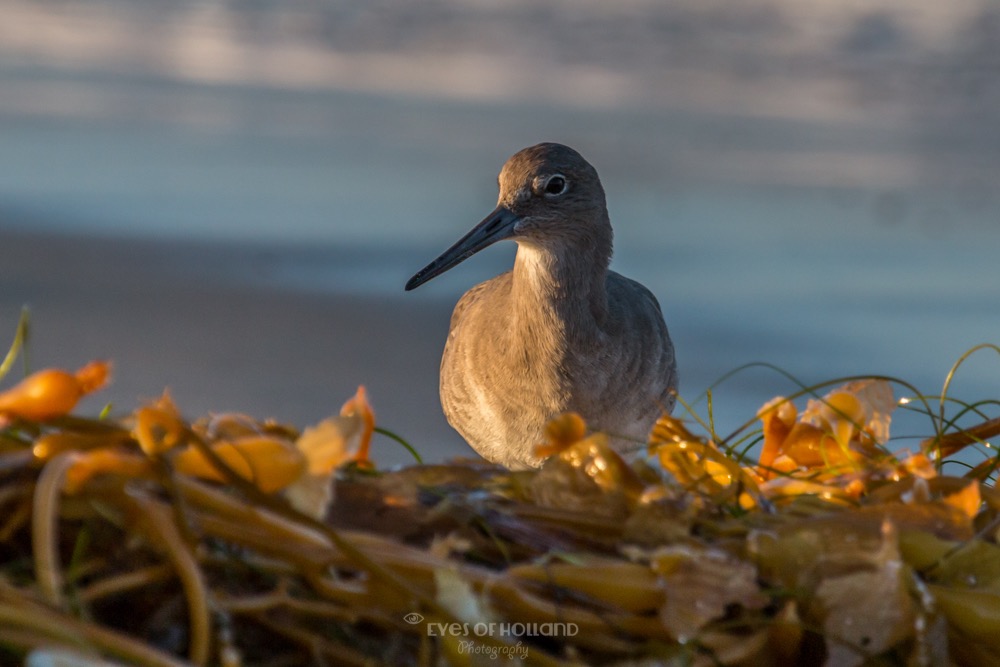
[{"x": 830, "y": 217}]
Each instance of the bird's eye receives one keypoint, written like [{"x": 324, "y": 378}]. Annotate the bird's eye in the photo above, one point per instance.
[{"x": 556, "y": 185}]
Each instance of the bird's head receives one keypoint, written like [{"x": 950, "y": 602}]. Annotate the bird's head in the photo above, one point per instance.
[{"x": 549, "y": 196}]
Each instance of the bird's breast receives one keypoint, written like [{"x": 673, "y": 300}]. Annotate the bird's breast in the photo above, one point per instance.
[{"x": 510, "y": 365}]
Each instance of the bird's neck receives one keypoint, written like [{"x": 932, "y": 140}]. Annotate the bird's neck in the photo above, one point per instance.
[{"x": 561, "y": 282}]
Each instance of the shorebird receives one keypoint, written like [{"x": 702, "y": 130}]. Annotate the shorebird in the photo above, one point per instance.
[{"x": 560, "y": 332}]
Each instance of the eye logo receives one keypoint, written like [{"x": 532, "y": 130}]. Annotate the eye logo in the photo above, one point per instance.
[{"x": 413, "y": 618}]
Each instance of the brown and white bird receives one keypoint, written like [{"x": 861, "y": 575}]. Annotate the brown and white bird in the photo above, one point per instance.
[{"x": 561, "y": 331}]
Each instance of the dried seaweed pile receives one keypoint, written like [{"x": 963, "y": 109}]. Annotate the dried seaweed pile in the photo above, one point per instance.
[{"x": 150, "y": 540}]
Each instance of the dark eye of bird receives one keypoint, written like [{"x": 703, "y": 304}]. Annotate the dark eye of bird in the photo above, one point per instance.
[{"x": 555, "y": 186}]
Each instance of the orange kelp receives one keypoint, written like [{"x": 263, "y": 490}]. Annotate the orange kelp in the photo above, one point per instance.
[{"x": 156, "y": 540}]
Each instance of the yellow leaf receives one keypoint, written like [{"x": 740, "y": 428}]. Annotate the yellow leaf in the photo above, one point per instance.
[
  {"x": 52, "y": 392},
  {"x": 842, "y": 428},
  {"x": 269, "y": 463},
  {"x": 104, "y": 461},
  {"x": 699, "y": 465},
  {"x": 588, "y": 476},
  {"x": 331, "y": 443},
  {"x": 327, "y": 446},
  {"x": 358, "y": 406},
  {"x": 967, "y": 499},
  {"x": 561, "y": 433},
  {"x": 975, "y": 614},
  {"x": 632, "y": 587},
  {"x": 159, "y": 426}
]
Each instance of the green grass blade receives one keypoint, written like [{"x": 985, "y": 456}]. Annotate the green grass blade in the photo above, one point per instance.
[{"x": 19, "y": 343}]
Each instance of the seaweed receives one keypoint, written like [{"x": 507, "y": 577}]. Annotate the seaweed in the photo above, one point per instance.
[{"x": 802, "y": 538}]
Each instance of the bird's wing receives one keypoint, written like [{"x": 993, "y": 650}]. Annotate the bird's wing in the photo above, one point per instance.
[
  {"x": 654, "y": 334},
  {"x": 639, "y": 288}
]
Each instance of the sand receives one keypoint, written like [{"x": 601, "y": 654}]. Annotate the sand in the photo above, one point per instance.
[{"x": 201, "y": 320}]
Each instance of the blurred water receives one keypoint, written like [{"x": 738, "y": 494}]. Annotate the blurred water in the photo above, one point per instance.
[{"x": 827, "y": 206}]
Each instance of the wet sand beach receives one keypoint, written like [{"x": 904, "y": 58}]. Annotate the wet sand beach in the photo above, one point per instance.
[{"x": 157, "y": 311}]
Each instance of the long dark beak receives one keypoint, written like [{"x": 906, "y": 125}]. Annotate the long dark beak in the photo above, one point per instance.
[{"x": 497, "y": 226}]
